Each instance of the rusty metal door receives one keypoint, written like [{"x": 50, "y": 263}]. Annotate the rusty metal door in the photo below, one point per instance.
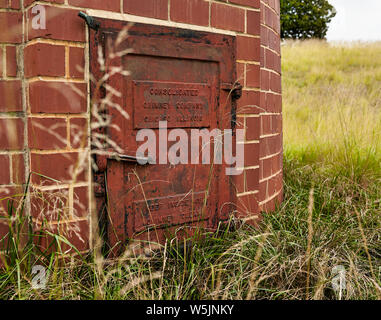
[{"x": 179, "y": 76}]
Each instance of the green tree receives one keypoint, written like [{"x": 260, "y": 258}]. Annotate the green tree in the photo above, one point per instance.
[{"x": 303, "y": 19}]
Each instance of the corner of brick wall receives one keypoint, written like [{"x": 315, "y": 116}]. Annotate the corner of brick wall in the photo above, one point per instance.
[
  {"x": 44, "y": 118},
  {"x": 58, "y": 119},
  {"x": 271, "y": 136}
]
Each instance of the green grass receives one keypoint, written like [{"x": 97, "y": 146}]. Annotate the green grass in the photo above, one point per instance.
[
  {"x": 330, "y": 216},
  {"x": 332, "y": 103}
]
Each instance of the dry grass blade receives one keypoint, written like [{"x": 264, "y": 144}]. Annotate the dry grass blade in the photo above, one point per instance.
[{"x": 309, "y": 240}]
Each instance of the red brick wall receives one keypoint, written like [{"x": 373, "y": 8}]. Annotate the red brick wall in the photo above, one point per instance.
[
  {"x": 44, "y": 98},
  {"x": 12, "y": 108},
  {"x": 271, "y": 137}
]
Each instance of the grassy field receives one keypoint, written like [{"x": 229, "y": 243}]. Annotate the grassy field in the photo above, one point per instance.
[{"x": 330, "y": 218}]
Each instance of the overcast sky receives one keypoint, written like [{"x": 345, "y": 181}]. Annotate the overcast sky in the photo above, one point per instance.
[{"x": 356, "y": 20}]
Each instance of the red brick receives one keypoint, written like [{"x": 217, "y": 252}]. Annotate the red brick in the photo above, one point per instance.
[
  {"x": 11, "y": 61},
  {"x": 249, "y": 102},
  {"x": 268, "y": 206},
  {"x": 269, "y": 59},
  {"x": 271, "y": 187},
  {"x": 270, "y": 145},
  {"x": 251, "y": 154},
  {"x": 263, "y": 7},
  {"x": 78, "y": 132},
  {"x": 239, "y": 182},
  {"x": 266, "y": 124},
  {"x": 109, "y": 5},
  {"x": 268, "y": 15},
  {"x": 42, "y": 59},
  {"x": 148, "y": 8},
  {"x": 262, "y": 55},
  {"x": 56, "y": 97},
  {"x": 252, "y": 179},
  {"x": 265, "y": 80},
  {"x": 81, "y": 202},
  {"x": 277, "y": 64},
  {"x": 61, "y": 24},
  {"x": 58, "y": 166},
  {"x": 276, "y": 163},
  {"x": 278, "y": 182},
  {"x": 266, "y": 167},
  {"x": 273, "y": 41},
  {"x": 276, "y": 124},
  {"x": 252, "y": 76},
  {"x": 29, "y": 2},
  {"x": 1, "y": 62},
  {"x": 253, "y": 22},
  {"x": 5, "y": 177},
  {"x": 240, "y": 73},
  {"x": 270, "y": 103},
  {"x": 15, "y": 4},
  {"x": 18, "y": 169},
  {"x": 11, "y": 134},
  {"x": 248, "y": 48},
  {"x": 262, "y": 190},
  {"x": 47, "y": 133},
  {"x": 275, "y": 82},
  {"x": 264, "y": 36},
  {"x": 277, "y": 6},
  {"x": 11, "y": 26},
  {"x": 249, "y": 3},
  {"x": 228, "y": 17},
  {"x": 277, "y": 103},
  {"x": 77, "y": 62},
  {"x": 10, "y": 96},
  {"x": 252, "y": 128},
  {"x": 190, "y": 11}
]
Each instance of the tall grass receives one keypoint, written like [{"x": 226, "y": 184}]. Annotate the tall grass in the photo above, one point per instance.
[{"x": 332, "y": 105}]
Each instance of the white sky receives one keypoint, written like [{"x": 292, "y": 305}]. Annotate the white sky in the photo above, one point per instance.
[{"x": 355, "y": 20}]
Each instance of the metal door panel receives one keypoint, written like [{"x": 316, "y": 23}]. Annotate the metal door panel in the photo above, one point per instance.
[{"x": 175, "y": 76}]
